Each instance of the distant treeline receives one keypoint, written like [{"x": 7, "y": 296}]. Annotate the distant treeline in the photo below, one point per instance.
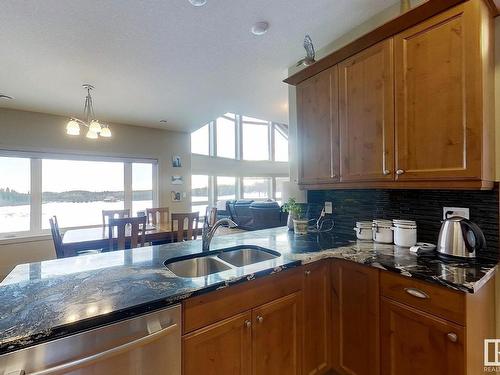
[{"x": 9, "y": 197}]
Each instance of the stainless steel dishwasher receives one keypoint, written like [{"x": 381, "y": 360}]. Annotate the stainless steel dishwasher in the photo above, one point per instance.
[{"x": 143, "y": 345}]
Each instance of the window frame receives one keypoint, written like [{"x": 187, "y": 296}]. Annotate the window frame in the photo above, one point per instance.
[{"x": 36, "y": 227}]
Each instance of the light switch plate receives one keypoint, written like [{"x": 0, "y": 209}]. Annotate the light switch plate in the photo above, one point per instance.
[
  {"x": 328, "y": 208},
  {"x": 457, "y": 211}
]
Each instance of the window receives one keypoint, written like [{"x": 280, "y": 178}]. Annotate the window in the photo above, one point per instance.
[
  {"x": 225, "y": 137},
  {"x": 226, "y": 188},
  {"x": 255, "y": 141},
  {"x": 256, "y": 187},
  {"x": 142, "y": 186},
  {"x": 200, "y": 141},
  {"x": 33, "y": 188},
  {"x": 199, "y": 193},
  {"x": 15, "y": 197},
  {"x": 88, "y": 187},
  {"x": 278, "y": 192},
  {"x": 280, "y": 142}
]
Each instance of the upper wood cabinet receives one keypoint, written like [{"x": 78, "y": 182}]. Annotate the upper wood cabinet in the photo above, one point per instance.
[
  {"x": 366, "y": 115},
  {"x": 439, "y": 97},
  {"x": 414, "y": 110},
  {"x": 317, "y": 128}
]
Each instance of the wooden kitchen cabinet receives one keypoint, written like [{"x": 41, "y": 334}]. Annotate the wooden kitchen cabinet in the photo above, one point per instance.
[
  {"x": 317, "y": 318},
  {"x": 416, "y": 343},
  {"x": 355, "y": 318},
  {"x": 223, "y": 348},
  {"x": 366, "y": 115},
  {"x": 440, "y": 114},
  {"x": 277, "y": 336},
  {"x": 317, "y": 128}
]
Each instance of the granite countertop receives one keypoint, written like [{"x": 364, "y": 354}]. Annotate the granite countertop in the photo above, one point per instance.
[{"x": 47, "y": 300}]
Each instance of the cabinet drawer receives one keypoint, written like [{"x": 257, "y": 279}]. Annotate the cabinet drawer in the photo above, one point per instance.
[
  {"x": 445, "y": 303},
  {"x": 212, "y": 307}
]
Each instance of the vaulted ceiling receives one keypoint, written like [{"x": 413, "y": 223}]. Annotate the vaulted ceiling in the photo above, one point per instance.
[{"x": 162, "y": 59}]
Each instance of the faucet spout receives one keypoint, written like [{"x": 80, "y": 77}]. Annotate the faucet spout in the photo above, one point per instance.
[{"x": 209, "y": 231}]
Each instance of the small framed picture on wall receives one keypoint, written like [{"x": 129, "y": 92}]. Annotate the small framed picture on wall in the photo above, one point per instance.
[
  {"x": 176, "y": 161},
  {"x": 176, "y": 196}
]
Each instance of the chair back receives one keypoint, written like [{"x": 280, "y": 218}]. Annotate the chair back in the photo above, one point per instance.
[
  {"x": 129, "y": 231},
  {"x": 158, "y": 216},
  {"x": 56, "y": 237},
  {"x": 191, "y": 228},
  {"x": 211, "y": 214},
  {"x": 114, "y": 214}
]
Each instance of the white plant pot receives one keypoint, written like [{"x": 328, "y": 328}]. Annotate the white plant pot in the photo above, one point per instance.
[{"x": 300, "y": 226}]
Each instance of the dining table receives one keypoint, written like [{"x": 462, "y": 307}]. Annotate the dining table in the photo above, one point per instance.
[{"x": 75, "y": 241}]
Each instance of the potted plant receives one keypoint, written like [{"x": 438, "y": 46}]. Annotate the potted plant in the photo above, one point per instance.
[{"x": 296, "y": 221}]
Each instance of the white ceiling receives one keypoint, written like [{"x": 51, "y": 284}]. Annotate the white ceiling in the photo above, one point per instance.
[{"x": 162, "y": 59}]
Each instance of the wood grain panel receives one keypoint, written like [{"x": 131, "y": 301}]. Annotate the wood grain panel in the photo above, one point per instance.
[
  {"x": 366, "y": 112},
  {"x": 416, "y": 343},
  {"x": 355, "y": 318},
  {"x": 223, "y": 348}
]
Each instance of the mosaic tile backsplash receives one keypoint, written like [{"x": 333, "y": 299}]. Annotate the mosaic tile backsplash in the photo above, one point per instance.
[{"x": 424, "y": 206}]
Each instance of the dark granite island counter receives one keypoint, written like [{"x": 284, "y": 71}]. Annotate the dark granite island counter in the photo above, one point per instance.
[{"x": 47, "y": 300}]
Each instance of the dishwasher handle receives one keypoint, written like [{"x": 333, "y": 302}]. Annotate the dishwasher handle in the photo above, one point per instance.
[{"x": 86, "y": 361}]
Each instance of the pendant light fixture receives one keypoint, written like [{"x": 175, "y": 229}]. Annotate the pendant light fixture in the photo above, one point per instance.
[{"x": 95, "y": 129}]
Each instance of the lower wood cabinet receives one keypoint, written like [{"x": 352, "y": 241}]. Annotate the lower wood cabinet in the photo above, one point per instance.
[
  {"x": 221, "y": 348},
  {"x": 355, "y": 318},
  {"x": 416, "y": 343},
  {"x": 317, "y": 351},
  {"x": 277, "y": 336}
]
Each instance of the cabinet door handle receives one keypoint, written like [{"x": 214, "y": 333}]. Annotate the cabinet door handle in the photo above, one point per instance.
[
  {"x": 260, "y": 319},
  {"x": 452, "y": 336},
  {"x": 307, "y": 273},
  {"x": 248, "y": 323},
  {"x": 386, "y": 172},
  {"x": 400, "y": 171},
  {"x": 417, "y": 293}
]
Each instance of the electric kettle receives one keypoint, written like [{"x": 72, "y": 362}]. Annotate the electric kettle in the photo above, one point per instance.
[{"x": 460, "y": 237}]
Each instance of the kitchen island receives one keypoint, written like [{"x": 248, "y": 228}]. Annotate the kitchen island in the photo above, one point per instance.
[{"x": 52, "y": 299}]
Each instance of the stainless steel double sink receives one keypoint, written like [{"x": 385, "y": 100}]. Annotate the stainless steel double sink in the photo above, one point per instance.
[{"x": 208, "y": 263}]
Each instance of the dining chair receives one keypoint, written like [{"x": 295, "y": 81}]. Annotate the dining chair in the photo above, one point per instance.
[
  {"x": 191, "y": 228},
  {"x": 113, "y": 214},
  {"x": 160, "y": 215},
  {"x": 127, "y": 227},
  {"x": 56, "y": 237}
]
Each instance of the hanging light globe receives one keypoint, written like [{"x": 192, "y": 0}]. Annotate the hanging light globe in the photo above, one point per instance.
[
  {"x": 91, "y": 135},
  {"x": 95, "y": 126},
  {"x": 105, "y": 132},
  {"x": 72, "y": 128}
]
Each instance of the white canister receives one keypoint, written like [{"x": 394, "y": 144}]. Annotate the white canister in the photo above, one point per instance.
[
  {"x": 405, "y": 233},
  {"x": 363, "y": 230},
  {"x": 382, "y": 231}
]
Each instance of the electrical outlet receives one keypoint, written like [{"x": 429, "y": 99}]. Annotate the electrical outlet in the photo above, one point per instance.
[
  {"x": 456, "y": 211},
  {"x": 328, "y": 208}
]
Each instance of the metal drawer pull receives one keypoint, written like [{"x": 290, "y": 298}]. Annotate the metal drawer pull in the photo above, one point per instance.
[
  {"x": 386, "y": 172},
  {"x": 79, "y": 363},
  {"x": 260, "y": 319},
  {"x": 248, "y": 323},
  {"x": 416, "y": 293},
  {"x": 400, "y": 171},
  {"x": 452, "y": 337},
  {"x": 307, "y": 273}
]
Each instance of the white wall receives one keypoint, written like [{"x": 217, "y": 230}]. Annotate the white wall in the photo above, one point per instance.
[
  {"x": 213, "y": 166},
  {"x": 20, "y": 130}
]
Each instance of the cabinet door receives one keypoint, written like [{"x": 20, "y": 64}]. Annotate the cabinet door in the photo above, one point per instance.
[
  {"x": 317, "y": 318},
  {"x": 416, "y": 343},
  {"x": 277, "y": 336},
  {"x": 438, "y": 109},
  {"x": 366, "y": 114},
  {"x": 355, "y": 318},
  {"x": 223, "y": 348},
  {"x": 317, "y": 128}
]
